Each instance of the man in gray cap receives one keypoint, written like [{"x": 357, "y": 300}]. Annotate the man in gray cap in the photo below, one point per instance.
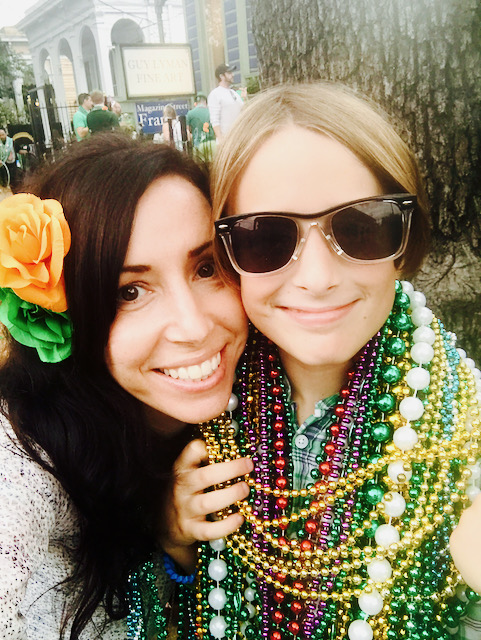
[{"x": 224, "y": 103}]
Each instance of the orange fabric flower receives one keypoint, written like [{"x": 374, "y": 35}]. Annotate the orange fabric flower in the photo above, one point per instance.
[{"x": 34, "y": 239}]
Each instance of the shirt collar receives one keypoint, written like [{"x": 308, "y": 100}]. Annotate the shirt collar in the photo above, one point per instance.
[{"x": 321, "y": 405}]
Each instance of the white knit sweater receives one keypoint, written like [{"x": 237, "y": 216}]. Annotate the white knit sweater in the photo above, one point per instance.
[{"x": 38, "y": 533}]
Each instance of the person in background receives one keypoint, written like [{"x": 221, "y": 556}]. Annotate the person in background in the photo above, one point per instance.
[
  {"x": 118, "y": 333},
  {"x": 224, "y": 103},
  {"x": 79, "y": 120},
  {"x": 198, "y": 121},
  {"x": 100, "y": 119},
  {"x": 176, "y": 138},
  {"x": 116, "y": 108},
  {"x": 8, "y": 156}
]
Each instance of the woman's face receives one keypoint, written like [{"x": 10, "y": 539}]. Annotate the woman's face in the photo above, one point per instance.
[
  {"x": 322, "y": 309},
  {"x": 179, "y": 330}
]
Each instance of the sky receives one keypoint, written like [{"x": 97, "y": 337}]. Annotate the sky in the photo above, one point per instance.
[{"x": 13, "y": 11}]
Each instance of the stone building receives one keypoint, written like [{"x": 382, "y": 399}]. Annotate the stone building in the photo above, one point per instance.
[{"x": 75, "y": 46}]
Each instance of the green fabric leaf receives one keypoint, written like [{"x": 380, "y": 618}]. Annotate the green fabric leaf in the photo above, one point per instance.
[{"x": 48, "y": 332}]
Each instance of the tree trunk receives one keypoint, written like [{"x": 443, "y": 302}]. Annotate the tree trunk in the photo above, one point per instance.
[{"x": 421, "y": 60}]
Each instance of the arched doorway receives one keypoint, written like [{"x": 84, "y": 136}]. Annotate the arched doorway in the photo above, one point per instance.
[
  {"x": 90, "y": 59},
  {"x": 68, "y": 75},
  {"x": 124, "y": 31}
]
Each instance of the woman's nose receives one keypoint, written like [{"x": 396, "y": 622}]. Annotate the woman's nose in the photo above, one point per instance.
[
  {"x": 189, "y": 319},
  {"x": 317, "y": 267}
]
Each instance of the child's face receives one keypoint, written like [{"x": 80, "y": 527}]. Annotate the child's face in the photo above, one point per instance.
[
  {"x": 179, "y": 329},
  {"x": 322, "y": 309}
]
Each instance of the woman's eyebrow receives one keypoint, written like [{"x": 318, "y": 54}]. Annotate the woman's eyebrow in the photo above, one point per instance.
[
  {"x": 143, "y": 268},
  {"x": 135, "y": 268},
  {"x": 194, "y": 253}
]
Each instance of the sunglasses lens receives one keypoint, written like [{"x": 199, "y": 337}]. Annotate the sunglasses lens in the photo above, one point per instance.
[
  {"x": 261, "y": 244},
  {"x": 369, "y": 230}
]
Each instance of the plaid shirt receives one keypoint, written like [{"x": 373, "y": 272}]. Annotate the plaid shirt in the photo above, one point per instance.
[{"x": 308, "y": 441}]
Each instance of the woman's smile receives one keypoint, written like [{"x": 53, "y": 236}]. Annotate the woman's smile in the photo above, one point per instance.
[
  {"x": 200, "y": 371},
  {"x": 179, "y": 329}
]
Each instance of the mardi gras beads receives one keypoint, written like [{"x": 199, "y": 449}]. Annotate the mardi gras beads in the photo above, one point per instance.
[
  {"x": 387, "y": 493},
  {"x": 362, "y": 551}
]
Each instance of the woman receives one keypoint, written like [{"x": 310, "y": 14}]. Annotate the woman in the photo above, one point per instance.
[
  {"x": 359, "y": 414},
  {"x": 174, "y": 139},
  {"x": 108, "y": 356}
]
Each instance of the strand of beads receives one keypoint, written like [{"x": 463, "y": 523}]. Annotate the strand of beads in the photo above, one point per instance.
[
  {"x": 217, "y": 598},
  {"x": 458, "y": 606},
  {"x": 410, "y": 572},
  {"x": 254, "y": 406},
  {"x": 217, "y": 560},
  {"x": 397, "y": 472},
  {"x": 412, "y": 575},
  {"x": 271, "y": 405},
  {"x": 335, "y": 451},
  {"x": 352, "y": 416},
  {"x": 136, "y": 627},
  {"x": 186, "y": 627},
  {"x": 266, "y": 559},
  {"x": 245, "y": 544},
  {"x": 377, "y": 434},
  {"x": 474, "y": 465},
  {"x": 411, "y": 408},
  {"x": 250, "y": 409},
  {"x": 135, "y": 618}
]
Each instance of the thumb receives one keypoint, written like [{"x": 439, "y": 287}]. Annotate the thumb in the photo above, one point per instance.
[{"x": 192, "y": 457}]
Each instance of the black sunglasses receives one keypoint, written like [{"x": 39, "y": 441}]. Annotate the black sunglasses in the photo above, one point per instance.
[{"x": 369, "y": 230}]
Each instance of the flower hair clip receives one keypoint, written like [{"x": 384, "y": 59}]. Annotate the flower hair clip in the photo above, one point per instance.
[{"x": 34, "y": 240}]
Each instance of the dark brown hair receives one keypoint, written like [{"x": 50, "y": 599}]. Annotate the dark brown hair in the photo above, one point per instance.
[{"x": 99, "y": 447}]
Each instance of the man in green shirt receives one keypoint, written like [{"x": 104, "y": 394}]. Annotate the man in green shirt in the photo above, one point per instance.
[
  {"x": 80, "y": 116},
  {"x": 198, "y": 121},
  {"x": 100, "y": 118}
]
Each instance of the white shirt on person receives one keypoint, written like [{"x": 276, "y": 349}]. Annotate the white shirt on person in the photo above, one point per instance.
[{"x": 224, "y": 107}]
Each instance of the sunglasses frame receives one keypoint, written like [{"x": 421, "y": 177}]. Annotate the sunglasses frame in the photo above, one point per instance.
[{"x": 406, "y": 203}]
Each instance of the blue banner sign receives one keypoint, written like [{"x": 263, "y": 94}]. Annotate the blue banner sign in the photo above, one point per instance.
[{"x": 149, "y": 114}]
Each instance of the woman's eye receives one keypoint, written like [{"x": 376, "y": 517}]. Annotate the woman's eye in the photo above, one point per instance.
[
  {"x": 206, "y": 270},
  {"x": 130, "y": 293}
]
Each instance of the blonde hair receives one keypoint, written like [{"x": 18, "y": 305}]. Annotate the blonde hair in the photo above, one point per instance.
[{"x": 333, "y": 110}]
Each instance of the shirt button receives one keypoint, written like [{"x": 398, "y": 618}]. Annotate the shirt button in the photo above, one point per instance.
[{"x": 301, "y": 441}]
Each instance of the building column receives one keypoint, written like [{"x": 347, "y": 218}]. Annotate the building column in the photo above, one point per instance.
[
  {"x": 206, "y": 61},
  {"x": 103, "y": 44},
  {"x": 58, "y": 86},
  {"x": 39, "y": 81},
  {"x": 78, "y": 64}
]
